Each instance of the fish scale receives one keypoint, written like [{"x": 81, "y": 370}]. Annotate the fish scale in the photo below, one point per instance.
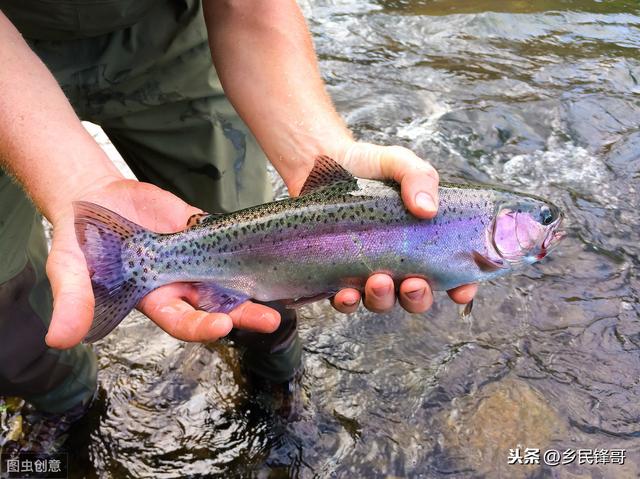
[{"x": 335, "y": 235}]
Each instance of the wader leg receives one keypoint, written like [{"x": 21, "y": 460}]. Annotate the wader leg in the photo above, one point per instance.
[
  {"x": 52, "y": 380},
  {"x": 276, "y": 356}
]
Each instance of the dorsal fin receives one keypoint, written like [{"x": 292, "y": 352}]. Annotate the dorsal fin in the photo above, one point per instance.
[
  {"x": 199, "y": 218},
  {"x": 325, "y": 173}
]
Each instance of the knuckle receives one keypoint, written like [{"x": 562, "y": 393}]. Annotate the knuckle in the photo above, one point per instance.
[
  {"x": 241, "y": 320},
  {"x": 202, "y": 332},
  {"x": 409, "y": 160},
  {"x": 397, "y": 150},
  {"x": 81, "y": 300},
  {"x": 182, "y": 325},
  {"x": 172, "y": 328},
  {"x": 431, "y": 171},
  {"x": 427, "y": 168},
  {"x": 53, "y": 264}
]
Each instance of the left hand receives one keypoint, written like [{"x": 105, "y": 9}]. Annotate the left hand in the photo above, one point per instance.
[
  {"x": 418, "y": 182},
  {"x": 173, "y": 307}
]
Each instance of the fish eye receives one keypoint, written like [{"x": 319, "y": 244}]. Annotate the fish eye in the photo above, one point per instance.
[{"x": 546, "y": 215}]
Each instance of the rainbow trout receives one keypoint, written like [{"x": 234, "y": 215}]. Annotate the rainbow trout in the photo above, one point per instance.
[{"x": 338, "y": 232}]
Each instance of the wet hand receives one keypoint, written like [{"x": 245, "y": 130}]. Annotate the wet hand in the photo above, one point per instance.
[
  {"x": 419, "y": 189},
  {"x": 172, "y": 307}
]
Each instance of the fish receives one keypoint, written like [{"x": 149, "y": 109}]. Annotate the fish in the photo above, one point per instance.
[{"x": 339, "y": 231}]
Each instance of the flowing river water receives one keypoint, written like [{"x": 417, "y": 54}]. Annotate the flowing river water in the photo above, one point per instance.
[{"x": 542, "y": 97}]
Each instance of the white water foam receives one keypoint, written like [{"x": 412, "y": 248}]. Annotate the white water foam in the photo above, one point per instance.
[{"x": 103, "y": 140}]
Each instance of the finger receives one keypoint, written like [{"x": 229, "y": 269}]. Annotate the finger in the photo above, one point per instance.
[
  {"x": 463, "y": 294},
  {"x": 146, "y": 204},
  {"x": 415, "y": 295},
  {"x": 249, "y": 316},
  {"x": 379, "y": 294},
  {"x": 182, "y": 321},
  {"x": 346, "y": 300},
  {"x": 255, "y": 317},
  {"x": 72, "y": 294},
  {"x": 417, "y": 178}
]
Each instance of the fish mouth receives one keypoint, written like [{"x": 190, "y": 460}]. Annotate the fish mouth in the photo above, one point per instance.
[{"x": 552, "y": 238}]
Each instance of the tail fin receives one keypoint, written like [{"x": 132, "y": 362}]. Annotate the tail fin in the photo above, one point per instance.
[{"x": 101, "y": 234}]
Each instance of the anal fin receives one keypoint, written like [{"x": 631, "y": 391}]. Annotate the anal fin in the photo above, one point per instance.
[{"x": 217, "y": 299}]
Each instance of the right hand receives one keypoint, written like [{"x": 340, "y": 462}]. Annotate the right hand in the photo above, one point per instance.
[
  {"x": 418, "y": 182},
  {"x": 171, "y": 307}
]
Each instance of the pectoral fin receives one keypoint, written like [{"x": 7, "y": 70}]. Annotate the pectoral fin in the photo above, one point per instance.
[{"x": 486, "y": 264}]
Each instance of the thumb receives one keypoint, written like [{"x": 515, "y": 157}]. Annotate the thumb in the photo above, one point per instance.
[
  {"x": 417, "y": 178},
  {"x": 72, "y": 294}
]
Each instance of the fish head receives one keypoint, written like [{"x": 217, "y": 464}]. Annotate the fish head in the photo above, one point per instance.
[{"x": 524, "y": 230}]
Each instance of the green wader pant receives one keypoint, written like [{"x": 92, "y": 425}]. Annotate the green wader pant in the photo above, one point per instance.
[{"x": 153, "y": 89}]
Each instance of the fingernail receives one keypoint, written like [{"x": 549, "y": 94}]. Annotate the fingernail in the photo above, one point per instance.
[
  {"x": 425, "y": 202},
  {"x": 381, "y": 291},
  {"x": 351, "y": 302},
  {"x": 416, "y": 295}
]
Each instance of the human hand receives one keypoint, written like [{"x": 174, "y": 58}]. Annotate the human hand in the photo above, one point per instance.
[
  {"x": 418, "y": 182},
  {"x": 172, "y": 307}
]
